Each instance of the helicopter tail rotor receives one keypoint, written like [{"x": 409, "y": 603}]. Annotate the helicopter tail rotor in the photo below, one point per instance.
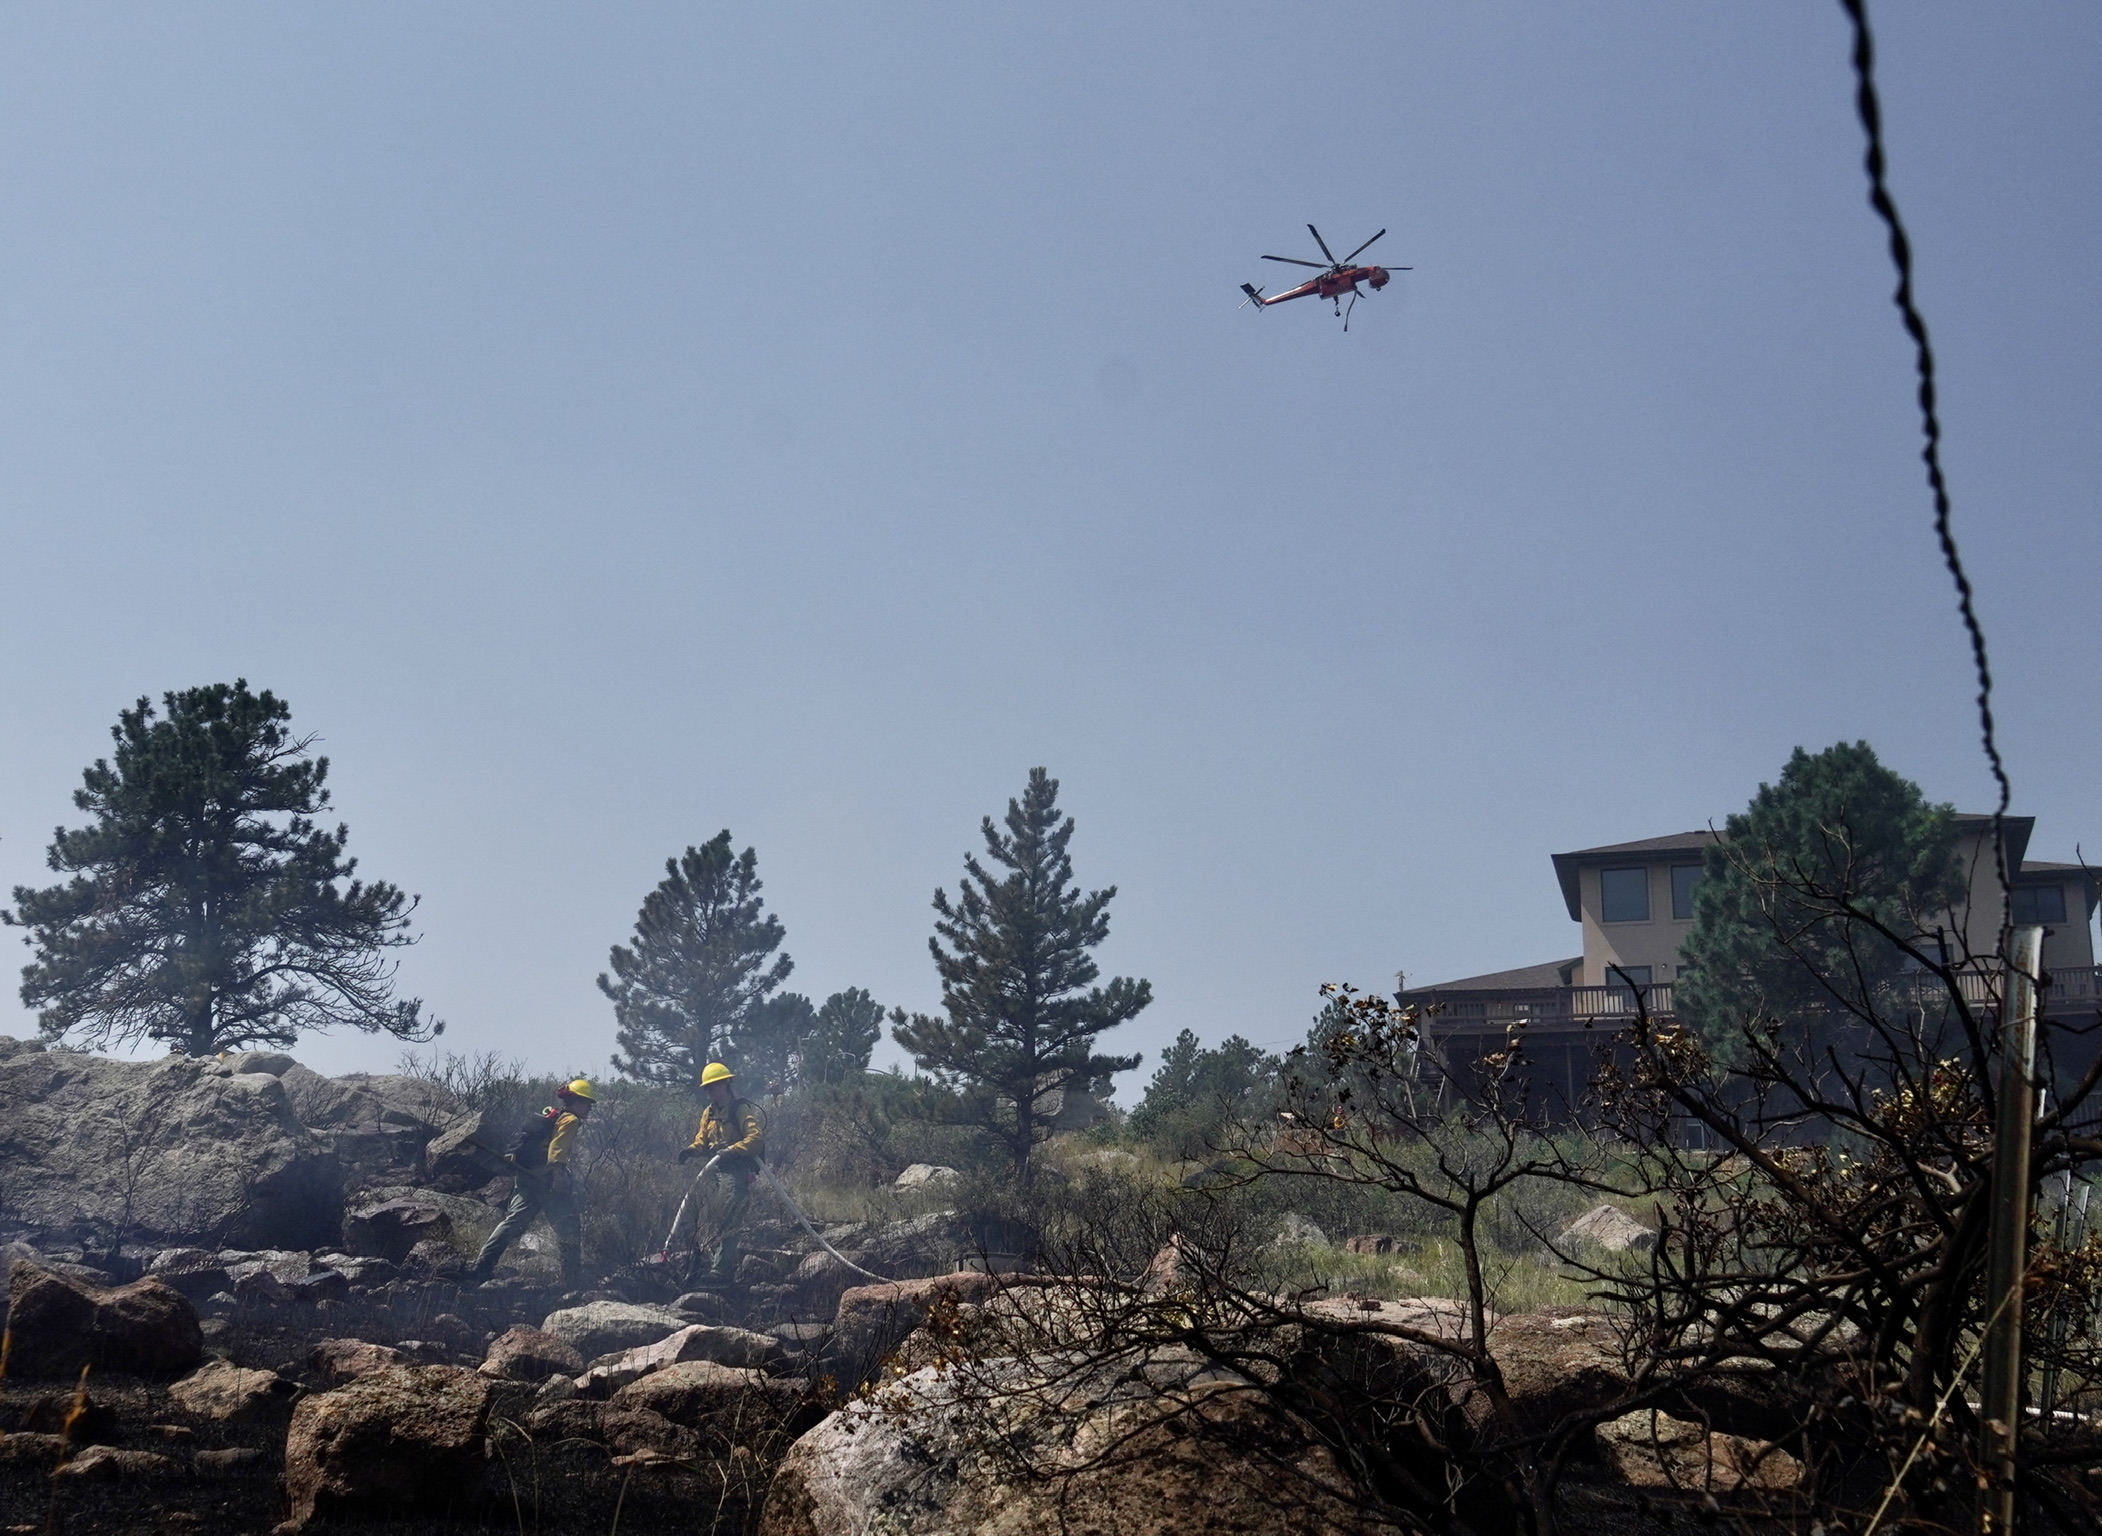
[{"x": 1255, "y": 297}]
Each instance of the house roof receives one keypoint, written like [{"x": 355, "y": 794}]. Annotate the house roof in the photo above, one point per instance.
[
  {"x": 1567, "y": 864},
  {"x": 2017, "y": 830},
  {"x": 1555, "y": 973}
]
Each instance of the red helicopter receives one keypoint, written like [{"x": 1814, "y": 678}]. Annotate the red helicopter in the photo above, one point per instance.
[{"x": 1336, "y": 279}]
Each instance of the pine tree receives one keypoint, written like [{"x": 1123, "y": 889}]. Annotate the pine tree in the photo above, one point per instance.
[
  {"x": 764, "y": 1046},
  {"x": 841, "y": 1038},
  {"x": 1020, "y": 1013},
  {"x": 205, "y": 907},
  {"x": 1787, "y": 912},
  {"x": 696, "y": 979},
  {"x": 1198, "y": 1096}
]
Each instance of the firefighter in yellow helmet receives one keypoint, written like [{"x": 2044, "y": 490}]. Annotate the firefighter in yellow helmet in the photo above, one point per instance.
[
  {"x": 733, "y": 1139},
  {"x": 543, "y": 1154}
]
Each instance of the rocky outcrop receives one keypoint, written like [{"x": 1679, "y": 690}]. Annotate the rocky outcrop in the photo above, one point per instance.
[
  {"x": 228, "y": 1394},
  {"x": 873, "y": 1320},
  {"x": 531, "y": 1354},
  {"x": 373, "y": 1123},
  {"x": 935, "y": 1454},
  {"x": 403, "y": 1440},
  {"x": 182, "y": 1149},
  {"x": 58, "y": 1324},
  {"x": 605, "y": 1327}
]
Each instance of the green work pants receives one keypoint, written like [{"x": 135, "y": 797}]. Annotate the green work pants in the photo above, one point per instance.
[
  {"x": 538, "y": 1195},
  {"x": 737, "y": 1172}
]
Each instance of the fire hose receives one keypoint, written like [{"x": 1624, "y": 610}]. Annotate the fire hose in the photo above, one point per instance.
[{"x": 664, "y": 1254}]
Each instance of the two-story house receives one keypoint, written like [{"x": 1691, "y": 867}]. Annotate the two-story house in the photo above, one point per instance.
[{"x": 1633, "y": 903}]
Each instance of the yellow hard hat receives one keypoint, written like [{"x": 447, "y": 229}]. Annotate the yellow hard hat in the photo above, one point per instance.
[
  {"x": 580, "y": 1088},
  {"x": 715, "y": 1072}
]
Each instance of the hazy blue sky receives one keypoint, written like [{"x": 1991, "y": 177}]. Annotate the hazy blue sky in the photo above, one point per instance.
[{"x": 610, "y": 424}]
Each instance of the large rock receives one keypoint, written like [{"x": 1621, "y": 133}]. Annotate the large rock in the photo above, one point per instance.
[
  {"x": 389, "y": 1229},
  {"x": 362, "y": 1099},
  {"x": 648, "y": 1436},
  {"x": 400, "y": 1441},
  {"x": 1653, "y": 1450},
  {"x": 472, "y": 1219},
  {"x": 196, "y": 1272},
  {"x": 337, "y": 1361},
  {"x": 230, "y": 1394},
  {"x": 112, "y": 1463},
  {"x": 531, "y": 1354},
  {"x": 470, "y": 1148},
  {"x": 726, "y": 1405},
  {"x": 58, "y": 1324},
  {"x": 932, "y": 1244},
  {"x": 604, "y": 1327},
  {"x": 698, "y": 1341},
  {"x": 873, "y": 1320},
  {"x": 374, "y": 1123},
  {"x": 1558, "y": 1361},
  {"x": 936, "y": 1455},
  {"x": 1610, "y": 1228},
  {"x": 180, "y": 1149},
  {"x": 926, "y": 1176}
]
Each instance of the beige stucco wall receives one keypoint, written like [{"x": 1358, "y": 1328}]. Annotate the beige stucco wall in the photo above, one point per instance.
[
  {"x": 1654, "y": 943},
  {"x": 2066, "y": 946}
]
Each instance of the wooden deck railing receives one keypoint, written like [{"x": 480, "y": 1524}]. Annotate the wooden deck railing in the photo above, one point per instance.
[{"x": 2076, "y": 990}]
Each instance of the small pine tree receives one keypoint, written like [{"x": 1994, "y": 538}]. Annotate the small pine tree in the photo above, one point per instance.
[
  {"x": 1788, "y": 907},
  {"x": 206, "y": 909},
  {"x": 696, "y": 979},
  {"x": 1198, "y": 1096},
  {"x": 1020, "y": 1013}
]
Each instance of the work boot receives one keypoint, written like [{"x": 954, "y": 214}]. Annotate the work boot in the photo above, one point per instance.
[{"x": 572, "y": 1266}]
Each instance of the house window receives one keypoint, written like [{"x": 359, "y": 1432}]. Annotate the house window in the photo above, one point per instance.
[
  {"x": 1682, "y": 879},
  {"x": 1623, "y": 895},
  {"x": 1627, "y": 975},
  {"x": 2039, "y": 904}
]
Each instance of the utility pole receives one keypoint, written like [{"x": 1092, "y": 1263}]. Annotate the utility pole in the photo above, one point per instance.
[{"x": 2000, "y": 1407}]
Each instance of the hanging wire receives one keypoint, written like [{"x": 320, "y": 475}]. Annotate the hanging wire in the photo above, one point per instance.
[{"x": 1870, "y": 108}]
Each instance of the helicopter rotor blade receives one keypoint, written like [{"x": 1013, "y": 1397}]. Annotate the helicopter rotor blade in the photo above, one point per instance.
[
  {"x": 1353, "y": 256},
  {"x": 1331, "y": 255},
  {"x": 1295, "y": 261}
]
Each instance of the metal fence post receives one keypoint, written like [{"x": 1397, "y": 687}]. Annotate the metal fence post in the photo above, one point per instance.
[{"x": 2000, "y": 1406}]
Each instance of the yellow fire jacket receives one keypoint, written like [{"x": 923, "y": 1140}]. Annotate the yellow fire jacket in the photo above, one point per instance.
[
  {"x": 564, "y": 1141},
  {"x": 738, "y": 1130}
]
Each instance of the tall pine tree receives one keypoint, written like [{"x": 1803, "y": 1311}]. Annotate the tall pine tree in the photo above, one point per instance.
[
  {"x": 697, "y": 978},
  {"x": 1020, "y": 1011},
  {"x": 1790, "y": 909},
  {"x": 206, "y": 909}
]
